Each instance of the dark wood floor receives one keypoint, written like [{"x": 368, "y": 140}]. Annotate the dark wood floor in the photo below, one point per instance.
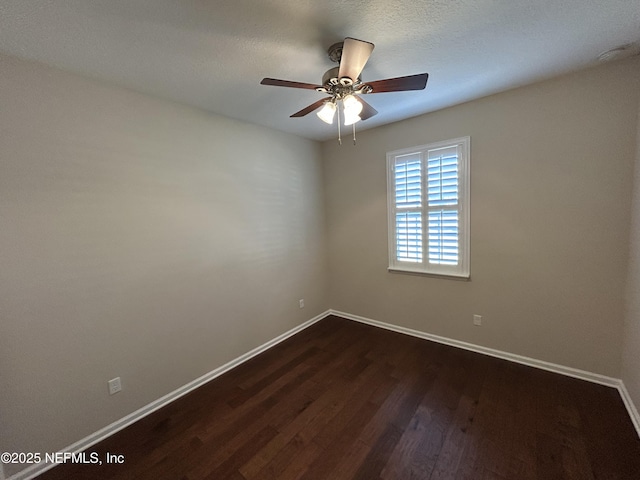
[{"x": 342, "y": 400}]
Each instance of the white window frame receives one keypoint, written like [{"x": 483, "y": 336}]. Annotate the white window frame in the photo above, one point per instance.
[{"x": 423, "y": 266}]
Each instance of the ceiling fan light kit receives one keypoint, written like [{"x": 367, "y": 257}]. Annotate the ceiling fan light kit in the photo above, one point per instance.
[
  {"x": 343, "y": 84},
  {"x": 327, "y": 112},
  {"x": 352, "y": 109}
]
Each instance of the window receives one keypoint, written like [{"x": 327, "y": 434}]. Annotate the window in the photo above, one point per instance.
[{"x": 428, "y": 196}]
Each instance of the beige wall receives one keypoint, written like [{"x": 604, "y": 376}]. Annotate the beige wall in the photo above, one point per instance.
[
  {"x": 551, "y": 186},
  {"x": 631, "y": 345},
  {"x": 140, "y": 239}
]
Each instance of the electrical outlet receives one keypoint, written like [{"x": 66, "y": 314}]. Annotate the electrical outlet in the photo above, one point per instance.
[
  {"x": 114, "y": 385},
  {"x": 477, "y": 320},
  {"x": 301, "y": 302}
]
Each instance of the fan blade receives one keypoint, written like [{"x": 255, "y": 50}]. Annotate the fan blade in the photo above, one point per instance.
[
  {"x": 367, "y": 110},
  {"x": 411, "y": 82},
  {"x": 310, "y": 108},
  {"x": 355, "y": 54},
  {"x": 287, "y": 83}
]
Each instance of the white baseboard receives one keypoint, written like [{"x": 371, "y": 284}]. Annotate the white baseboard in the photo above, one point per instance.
[
  {"x": 631, "y": 408},
  {"x": 512, "y": 357},
  {"x": 37, "y": 469},
  {"x": 109, "y": 430}
]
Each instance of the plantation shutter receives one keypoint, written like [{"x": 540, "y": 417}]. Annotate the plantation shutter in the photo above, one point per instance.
[
  {"x": 408, "y": 211},
  {"x": 428, "y": 208},
  {"x": 443, "y": 202}
]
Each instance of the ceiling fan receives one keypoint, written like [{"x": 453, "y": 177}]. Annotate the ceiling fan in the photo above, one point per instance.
[{"x": 343, "y": 84}]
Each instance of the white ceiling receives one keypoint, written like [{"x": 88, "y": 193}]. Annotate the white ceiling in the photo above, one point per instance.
[{"x": 213, "y": 54}]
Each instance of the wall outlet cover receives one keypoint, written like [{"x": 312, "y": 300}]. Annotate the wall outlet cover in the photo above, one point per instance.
[{"x": 115, "y": 385}]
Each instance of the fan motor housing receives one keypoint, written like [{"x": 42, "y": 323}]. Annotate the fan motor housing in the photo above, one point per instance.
[
  {"x": 340, "y": 87},
  {"x": 330, "y": 77}
]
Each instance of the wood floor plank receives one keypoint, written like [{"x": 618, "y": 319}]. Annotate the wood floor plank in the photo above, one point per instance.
[
  {"x": 278, "y": 463},
  {"x": 342, "y": 400},
  {"x": 236, "y": 459},
  {"x": 314, "y": 420},
  {"x": 299, "y": 464},
  {"x": 379, "y": 453}
]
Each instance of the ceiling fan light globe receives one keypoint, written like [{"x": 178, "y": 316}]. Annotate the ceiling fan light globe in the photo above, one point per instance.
[
  {"x": 351, "y": 119},
  {"x": 327, "y": 112},
  {"x": 352, "y": 107}
]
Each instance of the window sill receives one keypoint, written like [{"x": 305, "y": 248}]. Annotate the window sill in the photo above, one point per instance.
[{"x": 449, "y": 276}]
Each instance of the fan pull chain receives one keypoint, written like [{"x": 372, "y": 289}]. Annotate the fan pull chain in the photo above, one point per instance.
[
  {"x": 354, "y": 133},
  {"x": 339, "y": 138}
]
